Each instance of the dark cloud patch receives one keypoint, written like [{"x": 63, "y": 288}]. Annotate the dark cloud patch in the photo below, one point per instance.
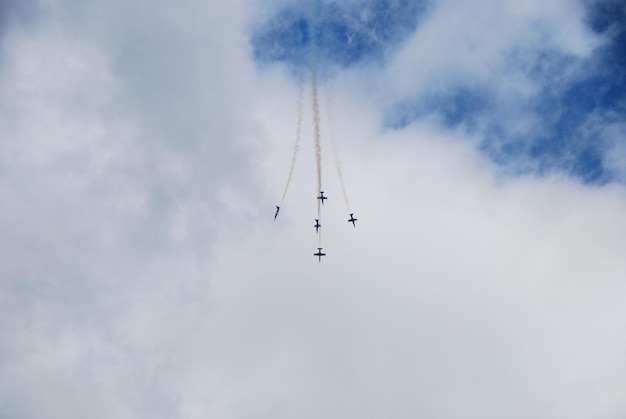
[{"x": 335, "y": 33}]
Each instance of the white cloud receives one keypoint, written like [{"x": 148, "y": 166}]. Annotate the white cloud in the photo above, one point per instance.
[
  {"x": 142, "y": 275},
  {"x": 469, "y": 41},
  {"x": 458, "y": 293}
]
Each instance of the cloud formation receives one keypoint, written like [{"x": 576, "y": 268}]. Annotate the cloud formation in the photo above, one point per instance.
[{"x": 143, "y": 148}]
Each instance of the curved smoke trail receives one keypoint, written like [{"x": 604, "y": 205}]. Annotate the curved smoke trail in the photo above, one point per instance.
[
  {"x": 329, "y": 111},
  {"x": 296, "y": 146}
]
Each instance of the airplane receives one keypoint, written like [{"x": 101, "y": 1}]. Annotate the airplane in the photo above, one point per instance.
[
  {"x": 319, "y": 254},
  {"x": 352, "y": 219},
  {"x": 317, "y": 225},
  {"x": 322, "y": 197},
  {"x": 277, "y": 209}
]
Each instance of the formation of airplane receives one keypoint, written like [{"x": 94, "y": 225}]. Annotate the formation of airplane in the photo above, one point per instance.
[
  {"x": 317, "y": 224},
  {"x": 319, "y": 254}
]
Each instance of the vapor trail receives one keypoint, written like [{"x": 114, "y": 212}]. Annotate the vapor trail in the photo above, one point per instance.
[
  {"x": 329, "y": 110},
  {"x": 316, "y": 137},
  {"x": 316, "y": 109},
  {"x": 296, "y": 146}
]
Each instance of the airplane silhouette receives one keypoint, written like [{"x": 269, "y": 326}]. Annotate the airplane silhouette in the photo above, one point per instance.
[
  {"x": 322, "y": 197},
  {"x": 277, "y": 209},
  {"x": 319, "y": 254},
  {"x": 352, "y": 219},
  {"x": 317, "y": 225}
]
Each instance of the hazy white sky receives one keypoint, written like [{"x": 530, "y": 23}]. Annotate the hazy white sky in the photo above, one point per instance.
[{"x": 144, "y": 146}]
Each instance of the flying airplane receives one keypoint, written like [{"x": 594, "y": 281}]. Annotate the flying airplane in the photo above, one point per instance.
[
  {"x": 277, "y": 209},
  {"x": 319, "y": 254},
  {"x": 322, "y": 197},
  {"x": 317, "y": 225},
  {"x": 352, "y": 220}
]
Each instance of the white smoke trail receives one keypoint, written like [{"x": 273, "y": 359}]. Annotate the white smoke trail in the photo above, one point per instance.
[
  {"x": 297, "y": 144},
  {"x": 317, "y": 144},
  {"x": 316, "y": 109},
  {"x": 316, "y": 137}
]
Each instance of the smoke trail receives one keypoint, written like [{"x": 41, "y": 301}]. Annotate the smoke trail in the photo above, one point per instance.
[
  {"x": 296, "y": 146},
  {"x": 316, "y": 110},
  {"x": 316, "y": 137},
  {"x": 329, "y": 111}
]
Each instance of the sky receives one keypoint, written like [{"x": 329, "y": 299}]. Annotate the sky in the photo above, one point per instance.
[{"x": 145, "y": 145}]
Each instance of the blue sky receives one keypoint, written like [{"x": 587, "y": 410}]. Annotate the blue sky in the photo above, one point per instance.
[
  {"x": 340, "y": 34},
  {"x": 369, "y": 32},
  {"x": 145, "y": 144}
]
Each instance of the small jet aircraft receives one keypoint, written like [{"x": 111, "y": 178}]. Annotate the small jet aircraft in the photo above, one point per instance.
[
  {"x": 352, "y": 220},
  {"x": 322, "y": 197},
  {"x": 317, "y": 225},
  {"x": 319, "y": 254},
  {"x": 277, "y": 209}
]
